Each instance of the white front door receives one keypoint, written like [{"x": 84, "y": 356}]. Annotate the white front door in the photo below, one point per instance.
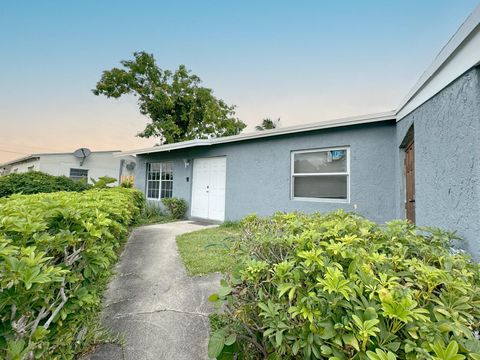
[{"x": 208, "y": 188}]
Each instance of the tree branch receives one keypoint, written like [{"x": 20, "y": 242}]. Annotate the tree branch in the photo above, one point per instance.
[{"x": 59, "y": 307}]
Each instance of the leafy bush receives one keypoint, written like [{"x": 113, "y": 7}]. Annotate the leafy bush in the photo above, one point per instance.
[
  {"x": 35, "y": 182},
  {"x": 176, "y": 207},
  {"x": 127, "y": 181},
  {"x": 152, "y": 213},
  {"x": 339, "y": 287},
  {"x": 56, "y": 255},
  {"x": 103, "y": 182}
]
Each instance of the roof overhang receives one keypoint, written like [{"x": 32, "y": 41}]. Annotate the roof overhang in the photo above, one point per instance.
[
  {"x": 460, "y": 54},
  {"x": 20, "y": 160},
  {"x": 349, "y": 121}
]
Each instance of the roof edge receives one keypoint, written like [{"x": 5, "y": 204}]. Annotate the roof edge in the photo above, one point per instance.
[
  {"x": 353, "y": 120},
  {"x": 37, "y": 155},
  {"x": 446, "y": 54}
]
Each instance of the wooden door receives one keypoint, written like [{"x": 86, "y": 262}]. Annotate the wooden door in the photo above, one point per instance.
[{"x": 410, "y": 182}]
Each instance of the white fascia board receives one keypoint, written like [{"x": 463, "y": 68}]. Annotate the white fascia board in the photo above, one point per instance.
[
  {"x": 163, "y": 148},
  {"x": 20, "y": 160},
  {"x": 461, "y": 53},
  {"x": 356, "y": 120}
]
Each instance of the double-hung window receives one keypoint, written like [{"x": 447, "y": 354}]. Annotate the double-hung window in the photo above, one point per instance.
[
  {"x": 321, "y": 175},
  {"x": 159, "y": 180}
]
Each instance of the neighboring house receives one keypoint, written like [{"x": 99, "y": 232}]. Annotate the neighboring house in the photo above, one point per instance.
[
  {"x": 421, "y": 161},
  {"x": 95, "y": 165}
]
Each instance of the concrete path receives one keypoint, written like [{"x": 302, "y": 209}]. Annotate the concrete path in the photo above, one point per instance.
[{"x": 160, "y": 311}]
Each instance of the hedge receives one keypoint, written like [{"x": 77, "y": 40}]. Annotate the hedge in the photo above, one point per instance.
[
  {"x": 339, "y": 287},
  {"x": 56, "y": 256},
  {"x": 35, "y": 182}
]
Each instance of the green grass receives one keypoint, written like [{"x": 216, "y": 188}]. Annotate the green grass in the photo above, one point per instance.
[{"x": 208, "y": 251}]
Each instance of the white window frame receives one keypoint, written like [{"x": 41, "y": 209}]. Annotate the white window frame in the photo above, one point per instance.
[
  {"x": 78, "y": 178},
  {"x": 293, "y": 174},
  {"x": 160, "y": 181}
]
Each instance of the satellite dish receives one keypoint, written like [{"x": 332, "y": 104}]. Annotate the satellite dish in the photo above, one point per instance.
[
  {"x": 82, "y": 154},
  {"x": 130, "y": 166}
]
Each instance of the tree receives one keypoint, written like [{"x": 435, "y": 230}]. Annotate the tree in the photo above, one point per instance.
[
  {"x": 268, "y": 124},
  {"x": 179, "y": 108}
]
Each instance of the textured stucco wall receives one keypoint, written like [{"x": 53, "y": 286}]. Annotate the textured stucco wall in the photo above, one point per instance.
[
  {"x": 447, "y": 149},
  {"x": 258, "y": 171}
]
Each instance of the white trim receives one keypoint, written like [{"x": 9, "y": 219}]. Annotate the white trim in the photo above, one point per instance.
[
  {"x": 78, "y": 177},
  {"x": 355, "y": 120},
  {"x": 293, "y": 174},
  {"x": 36, "y": 156},
  {"x": 461, "y": 53},
  {"x": 160, "y": 181}
]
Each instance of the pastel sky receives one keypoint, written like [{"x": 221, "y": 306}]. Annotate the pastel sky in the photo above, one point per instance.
[{"x": 302, "y": 61}]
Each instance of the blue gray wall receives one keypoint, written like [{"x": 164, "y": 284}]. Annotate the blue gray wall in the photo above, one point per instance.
[
  {"x": 447, "y": 160},
  {"x": 447, "y": 149},
  {"x": 258, "y": 171}
]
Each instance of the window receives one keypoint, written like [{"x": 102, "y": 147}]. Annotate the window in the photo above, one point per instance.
[
  {"x": 78, "y": 174},
  {"x": 159, "y": 180},
  {"x": 321, "y": 175}
]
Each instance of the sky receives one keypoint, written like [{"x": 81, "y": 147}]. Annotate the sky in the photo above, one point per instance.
[{"x": 302, "y": 61}]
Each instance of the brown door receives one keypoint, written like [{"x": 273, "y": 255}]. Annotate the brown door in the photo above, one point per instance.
[{"x": 410, "y": 181}]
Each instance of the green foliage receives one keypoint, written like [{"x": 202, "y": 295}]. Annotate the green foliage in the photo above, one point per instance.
[
  {"x": 152, "y": 214},
  {"x": 127, "y": 182},
  {"x": 35, "y": 182},
  {"x": 103, "y": 182},
  {"x": 176, "y": 207},
  {"x": 268, "y": 124},
  {"x": 178, "y": 106},
  {"x": 339, "y": 287},
  {"x": 56, "y": 255}
]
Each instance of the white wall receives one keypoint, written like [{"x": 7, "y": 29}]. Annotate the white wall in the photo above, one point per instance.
[
  {"x": 24, "y": 166},
  {"x": 98, "y": 164}
]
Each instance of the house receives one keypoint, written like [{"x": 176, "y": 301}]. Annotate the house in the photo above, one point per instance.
[
  {"x": 81, "y": 164},
  {"x": 420, "y": 161}
]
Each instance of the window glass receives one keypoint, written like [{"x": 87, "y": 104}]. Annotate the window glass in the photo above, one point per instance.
[
  {"x": 78, "y": 174},
  {"x": 331, "y": 187},
  {"x": 159, "y": 180},
  {"x": 321, "y": 174},
  {"x": 331, "y": 161}
]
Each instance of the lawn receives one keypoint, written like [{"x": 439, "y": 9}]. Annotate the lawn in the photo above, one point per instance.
[{"x": 208, "y": 251}]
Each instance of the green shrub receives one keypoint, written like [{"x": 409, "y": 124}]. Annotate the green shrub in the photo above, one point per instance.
[
  {"x": 103, "y": 182},
  {"x": 337, "y": 287},
  {"x": 152, "y": 213},
  {"x": 176, "y": 207},
  {"x": 35, "y": 182},
  {"x": 56, "y": 256},
  {"x": 127, "y": 182}
]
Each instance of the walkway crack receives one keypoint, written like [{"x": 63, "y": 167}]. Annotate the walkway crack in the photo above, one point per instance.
[{"x": 119, "y": 316}]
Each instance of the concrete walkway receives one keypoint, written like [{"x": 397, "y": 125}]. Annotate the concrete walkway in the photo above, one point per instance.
[{"x": 161, "y": 312}]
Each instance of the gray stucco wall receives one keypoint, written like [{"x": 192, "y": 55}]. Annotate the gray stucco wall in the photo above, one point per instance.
[
  {"x": 447, "y": 149},
  {"x": 258, "y": 171}
]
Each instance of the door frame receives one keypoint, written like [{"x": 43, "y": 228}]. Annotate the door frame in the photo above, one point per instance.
[{"x": 410, "y": 189}]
